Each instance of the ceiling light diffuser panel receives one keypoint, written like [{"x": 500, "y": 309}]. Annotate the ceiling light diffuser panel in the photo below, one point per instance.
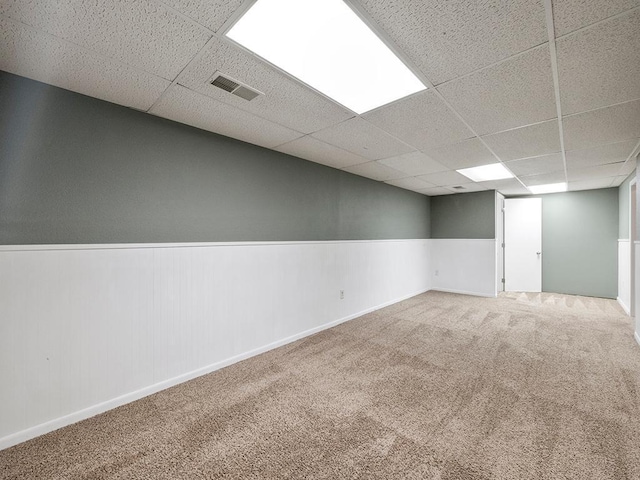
[
  {"x": 325, "y": 44},
  {"x": 485, "y": 173},
  {"x": 549, "y": 188}
]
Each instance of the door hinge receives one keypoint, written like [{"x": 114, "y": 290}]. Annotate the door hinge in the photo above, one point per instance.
[
  {"x": 503, "y": 280},
  {"x": 503, "y": 245}
]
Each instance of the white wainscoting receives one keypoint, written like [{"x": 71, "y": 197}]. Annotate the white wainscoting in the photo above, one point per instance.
[
  {"x": 87, "y": 328},
  {"x": 464, "y": 266},
  {"x": 624, "y": 274}
]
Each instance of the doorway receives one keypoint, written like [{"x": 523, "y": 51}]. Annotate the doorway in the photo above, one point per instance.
[
  {"x": 523, "y": 244},
  {"x": 632, "y": 248}
]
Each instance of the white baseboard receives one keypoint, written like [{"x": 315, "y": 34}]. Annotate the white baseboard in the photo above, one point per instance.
[
  {"x": 43, "y": 428},
  {"x": 464, "y": 292},
  {"x": 637, "y": 337},
  {"x": 624, "y": 307}
]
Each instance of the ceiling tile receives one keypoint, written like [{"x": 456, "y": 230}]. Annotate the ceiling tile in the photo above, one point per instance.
[
  {"x": 617, "y": 181},
  {"x": 422, "y": 120},
  {"x": 599, "y": 171},
  {"x": 601, "y": 155},
  {"x": 516, "y": 92},
  {"x": 469, "y": 187},
  {"x": 436, "y": 191},
  {"x": 606, "y": 125},
  {"x": 145, "y": 34},
  {"x": 185, "y": 106},
  {"x": 470, "y": 153},
  {"x": 600, "y": 66},
  {"x": 210, "y": 13},
  {"x": 36, "y": 55},
  {"x": 414, "y": 184},
  {"x": 449, "y": 38},
  {"x": 591, "y": 184},
  {"x": 537, "y": 165},
  {"x": 570, "y": 15},
  {"x": 533, "y": 140},
  {"x": 362, "y": 138},
  {"x": 375, "y": 171},
  {"x": 285, "y": 101},
  {"x": 543, "y": 179},
  {"x": 509, "y": 186},
  {"x": 445, "y": 179},
  {"x": 414, "y": 163},
  {"x": 313, "y": 149}
]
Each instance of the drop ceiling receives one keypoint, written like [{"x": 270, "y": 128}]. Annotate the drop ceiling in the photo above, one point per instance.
[{"x": 550, "y": 88}]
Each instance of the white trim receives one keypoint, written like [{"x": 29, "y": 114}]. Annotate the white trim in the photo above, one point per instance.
[
  {"x": 115, "y": 246},
  {"x": 624, "y": 307},
  {"x": 463, "y": 292},
  {"x": 637, "y": 337},
  {"x": 623, "y": 240},
  {"x": 29, "y": 433}
]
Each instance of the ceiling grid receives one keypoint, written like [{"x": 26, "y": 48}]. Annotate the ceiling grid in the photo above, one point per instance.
[{"x": 548, "y": 88}]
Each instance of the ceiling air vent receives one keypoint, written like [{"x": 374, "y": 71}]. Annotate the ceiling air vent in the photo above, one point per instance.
[
  {"x": 459, "y": 187},
  {"x": 234, "y": 87}
]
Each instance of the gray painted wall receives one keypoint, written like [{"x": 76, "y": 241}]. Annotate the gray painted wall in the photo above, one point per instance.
[
  {"x": 463, "y": 215},
  {"x": 623, "y": 207},
  {"x": 74, "y": 169},
  {"x": 579, "y": 242}
]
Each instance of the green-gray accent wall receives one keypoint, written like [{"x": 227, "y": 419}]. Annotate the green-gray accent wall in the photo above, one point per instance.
[
  {"x": 76, "y": 170},
  {"x": 623, "y": 204},
  {"x": 580, "y": 242},
  {"x": 465, "y": 215}
]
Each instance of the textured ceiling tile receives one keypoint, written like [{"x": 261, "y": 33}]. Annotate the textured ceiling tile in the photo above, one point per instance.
[
  {"x": 36, "y": 55},
  {"x": 530, "y": 141},
  {"x": 445, "y": 179},
  {"x": 184, "y": 106},
  {"x": 606, "y": 125},
  {"x": 537, "y": 165},
  {"x": 414, "y": 184},
  {"x": 591, "y": 184},
  {"x": 285, "y": 101},
  {"x": 600, "y": 66},
  {"x": 590, "y": 173},
  {"x": 436, "y": 191},
  {"x": 569, "y": 15},
  {"x": 210, "y": 13},
  {"x": 617, "y": 181},
  {"x": 313, "y": 149},
  {"x": 423, "y": 121},
  {"x": 469, "y": 187},
  {"x": 544, "y": 179},
  {"x": 145, "y": 33},
  {"x": 511, "y": 94},
  {"x": 449, "y": 38},
  {"x": 362, "y": 138},
  {"x": 375, "y": 171},
  {"x": 600, "y": 155},
  {"x": 414, "y": 163},
  {"x": 470, "y": 153},
  {"x": 509, "y": 186}
]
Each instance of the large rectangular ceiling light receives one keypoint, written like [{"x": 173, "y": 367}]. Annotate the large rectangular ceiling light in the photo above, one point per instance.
[
  {"x": 548, "y": 188},
  {"x": 495, "y": 171},
  {"x": 327, "y": 46}
]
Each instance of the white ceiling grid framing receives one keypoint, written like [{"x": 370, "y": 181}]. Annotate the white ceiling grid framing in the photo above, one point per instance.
[{"x": 550, "y": 88}]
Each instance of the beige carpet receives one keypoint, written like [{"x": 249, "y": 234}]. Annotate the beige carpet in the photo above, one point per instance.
[{"x": 441, "y": 386}]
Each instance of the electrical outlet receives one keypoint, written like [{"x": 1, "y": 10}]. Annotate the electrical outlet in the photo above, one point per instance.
[
  {"x": 341, "y": 294},
  {"x": 437, "y": 272}
]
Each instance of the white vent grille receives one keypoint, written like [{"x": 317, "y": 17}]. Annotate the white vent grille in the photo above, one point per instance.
[{"x": 234, "y": 87}]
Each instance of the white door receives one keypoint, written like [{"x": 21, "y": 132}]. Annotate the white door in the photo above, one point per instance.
[{"x": 523, "y": 244}]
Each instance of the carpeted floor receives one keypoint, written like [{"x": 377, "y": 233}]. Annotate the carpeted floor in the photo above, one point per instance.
[{"x": 441, "y": 386}]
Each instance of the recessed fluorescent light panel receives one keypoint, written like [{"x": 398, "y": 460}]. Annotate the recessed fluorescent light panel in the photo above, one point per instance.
[
  {"x": 549, "y": 188},
  {"x": 327, "y": 46},
  {"x": 495, "y": 171}
]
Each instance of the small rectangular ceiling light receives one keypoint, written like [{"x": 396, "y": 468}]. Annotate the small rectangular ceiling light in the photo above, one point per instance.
[
  {"x": 495, "y": 171},
  {"x": 549, "y": 188},
  {"x": 327, "y": 46}
]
